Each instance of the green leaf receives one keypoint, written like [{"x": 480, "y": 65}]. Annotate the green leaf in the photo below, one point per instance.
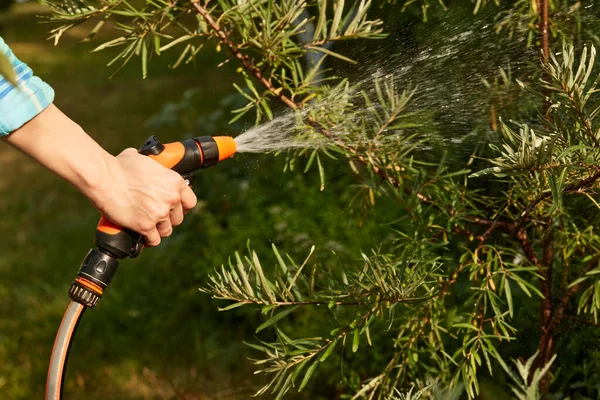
[
  {"x": 331, "y": 53},
  {"x": 157, "y": 44},
  {"x": 308, "y": 374},
  {"x": 144, "y": 60},
  {"x": 234, "y": 305},
  {"x": 355, "y": 340},
  {"x": 338, "y": 8},
  {"x": 321, "y": 27},
  {"x": 329, "y": 350},
  {"x": 467, "y": 326},
  {"x": 321, "y": 173},
  {"x": 310, "y": 160},
  {"x": 577, "y": 281},
  {"x": 264, "y": 282},
  {"x": 94, "y": 31},
  {"x": 509, "y": 298},
  {"x": 180, "y": 39},
  {"x": 242, "y": 273},
  {"x": 282, "y": 264},
  {"x": 276, "y": 318},
  {"x": 111, "y": 43}
]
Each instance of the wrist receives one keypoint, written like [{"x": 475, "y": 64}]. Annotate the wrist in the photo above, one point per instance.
[{"x": 95, "y": 179}]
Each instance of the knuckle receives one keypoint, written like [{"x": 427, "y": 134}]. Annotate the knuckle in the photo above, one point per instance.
[
  {"x": 161, "y": 212},
  {"x": 128, "y": 151},
  {"x": 174, "y": 198},
  {"x": 176, "y": 180},
  {"x": 146, "y": 226}
]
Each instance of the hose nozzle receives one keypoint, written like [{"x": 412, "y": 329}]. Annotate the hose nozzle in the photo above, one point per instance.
[
  {"x": 114, "y": 243},
  {"x": 226, "y": 145}
]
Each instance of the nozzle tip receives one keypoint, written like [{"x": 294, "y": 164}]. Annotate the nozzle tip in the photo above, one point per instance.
[{"x": 226, "y": 145}]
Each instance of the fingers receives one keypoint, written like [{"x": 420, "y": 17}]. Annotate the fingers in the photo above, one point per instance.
[
  {"x": 164, "y": 228},
  {"x": 176, "y": 215},
  {"x": 152, "y": 237},
  {"x": 181, "y": 203},
  {"x": 146, "y": 197},
  {"x": 188, "y": 198}
]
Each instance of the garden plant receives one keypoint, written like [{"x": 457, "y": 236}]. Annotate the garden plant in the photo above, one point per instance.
[{"x": 487, "y": 270}]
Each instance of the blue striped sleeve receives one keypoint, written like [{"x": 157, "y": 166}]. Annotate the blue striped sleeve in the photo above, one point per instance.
[{"x": 20, "y": 104}]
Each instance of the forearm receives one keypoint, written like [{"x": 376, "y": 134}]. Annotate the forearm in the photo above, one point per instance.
[
  {"x": 132, "y": 190},
  {"x": 59, "y": 144}
]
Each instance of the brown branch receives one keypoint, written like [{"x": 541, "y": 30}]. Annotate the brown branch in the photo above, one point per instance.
[
  {"x": 566, "y": 298},
  {"x": 544, "y": 31},
  {"x": 546, "y": 343},
  {"x": 545, "y": 39},
  {"x": 579, "y": 111},
  {"x": 247, "y": 64},
  {"x": 572, "y": 187},
  {"x": 546, "y": 283},
  {"x": 392, "y": 300},
  {"x": 242, "y": 58},
  {"x": 583, "y": 321},
  {"x": 519, "y": 234}
]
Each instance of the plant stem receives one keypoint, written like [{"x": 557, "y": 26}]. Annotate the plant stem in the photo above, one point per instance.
[
  {"x": 544, "y": 30},
  {"x": 547, "y": 340},
  {"x": 546, "y": 343},
  {"x": 545, "y": 44},
  {"x": 242, "y": 58}
]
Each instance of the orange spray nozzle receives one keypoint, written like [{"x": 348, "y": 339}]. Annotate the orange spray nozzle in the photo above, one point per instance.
[{"x": 226, "y": 146}]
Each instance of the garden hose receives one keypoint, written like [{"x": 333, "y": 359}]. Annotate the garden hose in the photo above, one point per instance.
[
  {"x": 114, "y": 243},
  {"x": 62, "y": 343}
]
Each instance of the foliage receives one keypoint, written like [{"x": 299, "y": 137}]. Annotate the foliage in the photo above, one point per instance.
[
  {"x": 526, "y": 388},
  {"x": 5, "y": 4},
  {"x": 426, "y": 5},
  {"x": 471, "y": 254},
  {"x": 372, "y": 292},
  {"x": 568, "y": 20}
]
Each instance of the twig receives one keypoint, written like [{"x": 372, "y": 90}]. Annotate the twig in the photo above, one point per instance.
[
  {"x": 519, "y": 234},
  {"x": 243, "y": 58},
  {"x": 583, "y": 320},
  {"x": 572, "y": 187}
]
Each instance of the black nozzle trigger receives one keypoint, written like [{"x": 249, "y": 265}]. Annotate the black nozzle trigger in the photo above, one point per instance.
[{"x": 152, "y": 147}]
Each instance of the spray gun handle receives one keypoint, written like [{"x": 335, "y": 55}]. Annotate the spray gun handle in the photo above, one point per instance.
[
  {"x": 184, "y": 157},
  {"x": 113, "y": 242}
]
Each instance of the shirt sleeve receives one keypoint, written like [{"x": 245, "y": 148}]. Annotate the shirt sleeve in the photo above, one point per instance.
[{"x": 20, "y": 104}]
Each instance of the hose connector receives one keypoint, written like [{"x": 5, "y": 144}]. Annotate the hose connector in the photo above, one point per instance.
[{"x": 96, "y": 272}]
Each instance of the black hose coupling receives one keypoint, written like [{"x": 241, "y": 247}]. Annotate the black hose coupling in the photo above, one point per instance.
[{"x": 96, "y": 272}]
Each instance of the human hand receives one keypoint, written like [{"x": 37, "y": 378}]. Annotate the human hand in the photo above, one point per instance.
[
  {"x": 132, "y": 190},
  {"x": 140, "y": 194}
]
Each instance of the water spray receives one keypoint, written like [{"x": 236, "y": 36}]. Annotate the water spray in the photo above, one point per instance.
[{"x": 114, "y": 243}]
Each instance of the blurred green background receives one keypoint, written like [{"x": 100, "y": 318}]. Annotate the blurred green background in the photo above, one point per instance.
[{"x": 154, "y": 335}]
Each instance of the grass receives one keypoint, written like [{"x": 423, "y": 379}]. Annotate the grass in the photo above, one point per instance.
[
  {"x": 153, "y": 336},
  {"x": 47, "y": 228}
]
